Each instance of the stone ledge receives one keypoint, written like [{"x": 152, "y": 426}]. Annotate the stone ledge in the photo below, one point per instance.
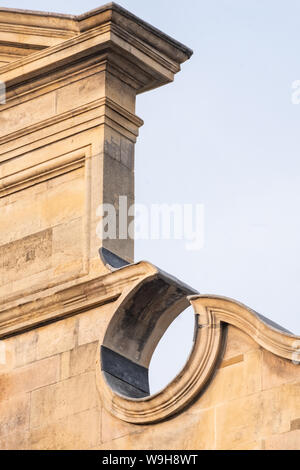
[{"x": 83, "y": 296}]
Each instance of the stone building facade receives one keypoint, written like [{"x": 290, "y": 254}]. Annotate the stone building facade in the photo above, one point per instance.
[{"x": 78, "y": 329}]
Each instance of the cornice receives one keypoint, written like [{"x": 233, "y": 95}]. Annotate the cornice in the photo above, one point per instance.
[
  {"x": 41, "y": 172},
  {"x": 110, "y": 110},
  {"x": 91, "y": 19},
  {"x": 82, "y": 296},
  {"x": 31, "y": 31},
  {"x": 264, "y": 332},
  {"x": 45, "y": 83},
  {"x": 49, "y": 56},
  {"x": 117, "y": 32}
]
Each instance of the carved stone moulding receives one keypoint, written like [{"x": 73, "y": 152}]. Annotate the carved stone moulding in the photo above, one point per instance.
[
  {"x": 141, "y": 317},
  {"x": 144, "y": 56}
]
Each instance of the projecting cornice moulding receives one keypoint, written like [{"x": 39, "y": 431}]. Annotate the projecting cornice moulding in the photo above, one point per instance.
[
  {"x": 70, "y": 301},
  {"x": 110, "y": 29},
  {"x": 263, "y": 331}
]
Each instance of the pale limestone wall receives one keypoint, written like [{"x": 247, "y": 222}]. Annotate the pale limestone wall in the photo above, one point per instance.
[
  {"x": 67, "y": 135},
  {"x": 52, "y": 182},
  {"x": 68, "y": 130},
  {"x": 49, "y": 398}
]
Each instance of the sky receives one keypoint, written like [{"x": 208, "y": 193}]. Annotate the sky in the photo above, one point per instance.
[{"x": 225, "y": 134}]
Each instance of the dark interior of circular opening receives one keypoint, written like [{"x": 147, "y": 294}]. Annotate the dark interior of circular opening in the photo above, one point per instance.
[{"x": 136, "y": 329}]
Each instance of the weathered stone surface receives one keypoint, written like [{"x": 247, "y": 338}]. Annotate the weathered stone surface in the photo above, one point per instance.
[
  {"x": 238, "y": 343},
  {"x": 92, "y": 325},
  {"x": 83, "y": 359},
  {"x": 25, "y": 257},
  {"x": 30, "y": 377},
  {"x": 188, "y": 431},
  {"x": 241, "y": 378},
  {"x": 14, "y": 415},
  {"x": 285, "y": 441},
  {"x": 53, "y": 404},
  {"x": 26, "y": 114},
  {"x": 76, "y": 432},
  {"x": 68, "y": 130},
  {"x": 113, "y": 428},
  {"x": 278, "y": 371},
  {"x": 56, "y": 338},
  {"x": 63, "y": 399},
  {"x": 24, "y": 348},
  {"x": 18, "y": 440},
  {"x": 65, "y": 365},
  {"x": 253, "y": 418},
  {"x": 260, "y": 445}
]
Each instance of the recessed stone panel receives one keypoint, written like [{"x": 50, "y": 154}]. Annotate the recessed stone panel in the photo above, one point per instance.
[{"x": 26, "y": 256}]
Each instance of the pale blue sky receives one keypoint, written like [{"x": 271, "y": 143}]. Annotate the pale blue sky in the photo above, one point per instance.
[{"x": 225, "y": 134}]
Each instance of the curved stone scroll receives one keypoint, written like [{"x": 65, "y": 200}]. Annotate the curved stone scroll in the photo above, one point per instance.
[{"x": 265, "y": 332}]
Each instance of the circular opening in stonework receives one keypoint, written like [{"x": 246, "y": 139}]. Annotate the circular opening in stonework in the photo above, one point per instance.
[
  {"x": 149, "y": 338},
  {"x": 172, "y": 352}
]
